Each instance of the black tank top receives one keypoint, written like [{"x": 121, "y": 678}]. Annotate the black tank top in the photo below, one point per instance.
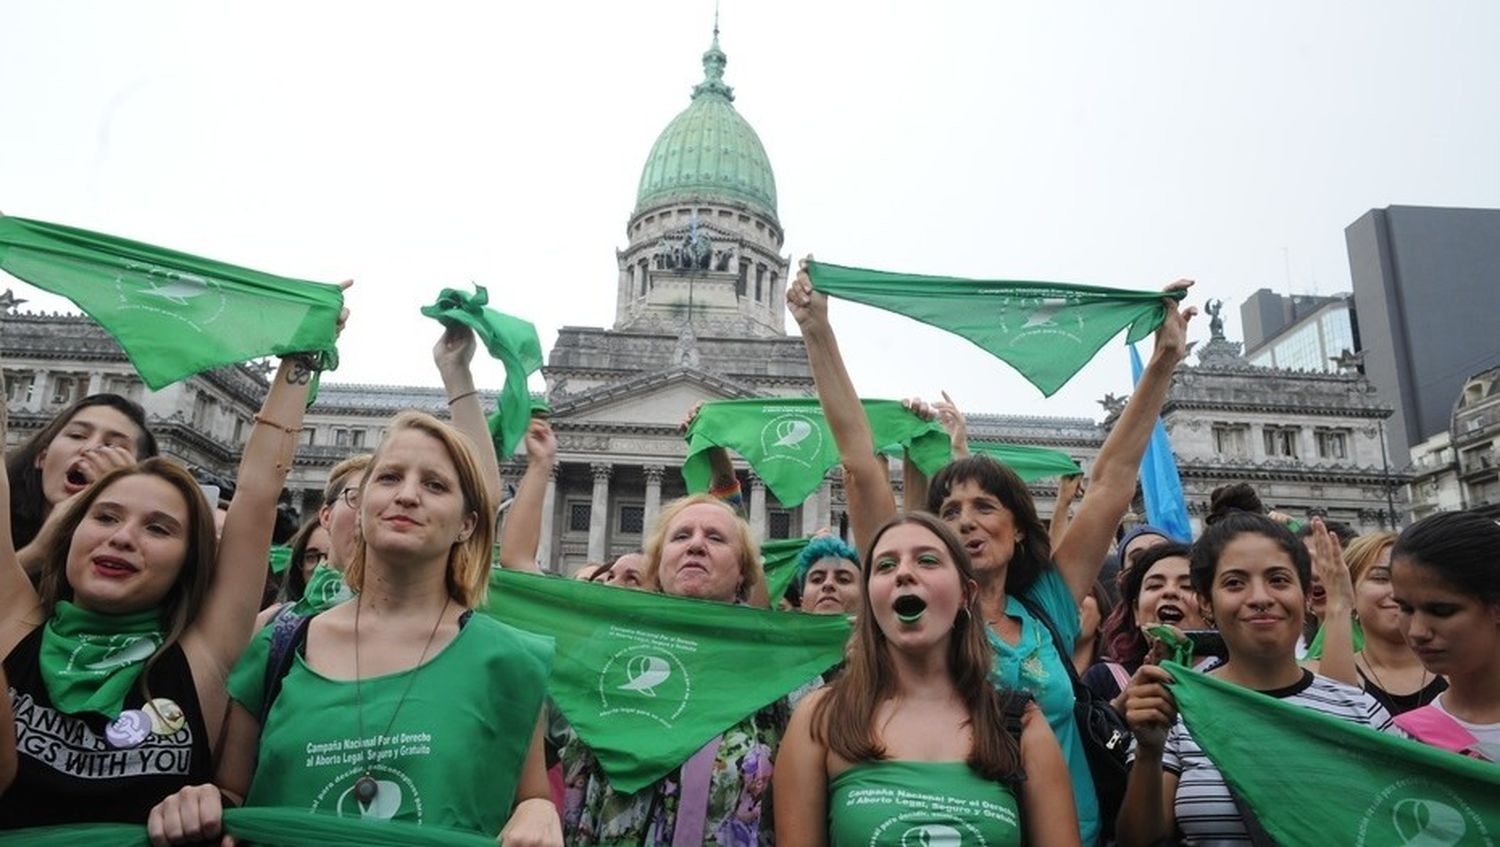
[
  {"x": 1400, "y": 703},
  {"x": 68, "y": 772}
]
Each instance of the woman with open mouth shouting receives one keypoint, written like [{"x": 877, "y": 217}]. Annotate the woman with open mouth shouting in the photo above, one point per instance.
[
  {"x": 913, "y": 722},
  {"x": 1029, "y": 585},
  {"x": 1155, "y": 588},
  {"x": 1253, "y": 576},
  {"x": 81, "y": 443},
  {"x": 117, "y": 662}
]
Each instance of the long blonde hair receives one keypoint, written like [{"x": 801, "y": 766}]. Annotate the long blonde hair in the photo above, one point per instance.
[
  {"x": 752, "y": 577},
  {"x": 468, "y": 569}
]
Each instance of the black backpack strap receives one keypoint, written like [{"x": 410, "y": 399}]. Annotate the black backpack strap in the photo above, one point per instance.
[{"x": 287, "y": 636}]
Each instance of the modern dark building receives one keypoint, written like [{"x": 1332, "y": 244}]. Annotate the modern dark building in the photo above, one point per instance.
[
  {"x": 1427, "y": 291},
  {"x": 1304, "y": 332}
]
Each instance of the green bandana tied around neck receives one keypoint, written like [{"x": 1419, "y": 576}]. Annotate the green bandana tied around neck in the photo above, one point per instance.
[
  {"x": 1046, "y": 330},
  {"x": 1353, "y": 785},
  {"x": 788, "y": 443},
  {"x": 778, "y": 559},
  {"x": 174, "y": 314},
  {"x": 511, "y": 340},
  {"x": 265, "y": 826},
  {"x": 325, "y": 589},
  {"x": 646, "y": 679},
  {"x": 1029, "y": 463},
  {"x": 279, "y": 557},
  {"x": 91, "y": 661}
]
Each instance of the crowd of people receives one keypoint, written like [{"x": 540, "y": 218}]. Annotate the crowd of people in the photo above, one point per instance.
[{"x": 154, "y": 679}]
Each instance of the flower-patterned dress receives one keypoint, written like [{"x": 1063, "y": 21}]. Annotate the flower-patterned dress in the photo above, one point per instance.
[{"x": 739, "y": 794}]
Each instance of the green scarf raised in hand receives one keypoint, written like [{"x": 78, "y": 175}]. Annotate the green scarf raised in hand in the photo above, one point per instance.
[
  {"x": 511, "y": 340},
  {"x": 1046, "y": 330},
  {"x": 788, "y": 443},
  {"x": 174, "y": 314},
  {"x": 1029, "y": 463},
  {"x": 90, "y": 661}
]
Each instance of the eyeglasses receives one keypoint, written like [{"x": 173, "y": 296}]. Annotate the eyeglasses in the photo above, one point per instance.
[{"x": 350, "y": 496}]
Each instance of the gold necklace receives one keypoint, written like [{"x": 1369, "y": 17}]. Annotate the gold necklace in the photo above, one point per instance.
[{"x": 365, "y": 788}]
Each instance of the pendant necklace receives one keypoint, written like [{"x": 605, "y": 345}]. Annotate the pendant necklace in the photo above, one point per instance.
[
  {"x": 365, "y": 788},
  {"x": 1416, "y": 695}
]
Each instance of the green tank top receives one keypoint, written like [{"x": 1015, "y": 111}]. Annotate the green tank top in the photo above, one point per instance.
[
  {"x": 452, "y": 756},
  {"x": 920, "y": 804}
]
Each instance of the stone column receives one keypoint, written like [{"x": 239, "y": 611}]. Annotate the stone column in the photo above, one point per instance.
[
  {"x": 815, "y": 508},
  {"x": 599, "y": 511},
  {"x": 757, "y": 507},
  {"x": 549, "y": 508},
  {"x": 96, "y": 382},
  {"x": 653, "y": 497},
  {"x": 39, "y": 389}
]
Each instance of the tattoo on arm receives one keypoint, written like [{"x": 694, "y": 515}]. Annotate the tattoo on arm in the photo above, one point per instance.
[{"x": 301, "y": 371}]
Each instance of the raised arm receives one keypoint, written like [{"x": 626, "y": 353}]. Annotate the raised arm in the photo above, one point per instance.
[
  {"x": 452, "y": 354},
  {"x": 20, "y": 609},
  {"x": 1067, "y": 489},
  {"x": 521, "y": 533},
  {"x": 1338, "y": 616},
  {"x": 865, "y": 483},
  {"x": 226, "y": 619},
  {"x": 1080, "y": 553}
]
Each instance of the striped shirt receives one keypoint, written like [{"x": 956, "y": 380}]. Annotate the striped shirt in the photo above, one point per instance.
[{"x": 1205, "y": 811}]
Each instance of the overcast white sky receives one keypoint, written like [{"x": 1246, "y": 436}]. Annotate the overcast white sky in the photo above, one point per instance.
[{"x": 414, "y": 146}]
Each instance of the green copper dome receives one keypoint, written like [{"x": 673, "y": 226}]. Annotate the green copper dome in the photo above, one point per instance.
[{"x": 709, "y": 151}]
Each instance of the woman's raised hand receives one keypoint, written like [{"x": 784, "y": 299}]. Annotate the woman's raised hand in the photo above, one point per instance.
[
  {"x": 808, "y": 307},
  {"x": 1329, "y": 567},
  {"x": 1149, "y": 707},
  {"x": 455, "y": 349},
  {"x": 1171, "y": 336}
]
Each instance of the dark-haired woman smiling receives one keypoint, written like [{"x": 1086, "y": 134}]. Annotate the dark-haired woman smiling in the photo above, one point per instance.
[{"x": 1253, "y": 575}]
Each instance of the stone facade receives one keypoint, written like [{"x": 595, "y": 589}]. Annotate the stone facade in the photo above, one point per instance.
[
  {"x": 1308, "y": 441},
  {"x": 1460, "y": 469}
]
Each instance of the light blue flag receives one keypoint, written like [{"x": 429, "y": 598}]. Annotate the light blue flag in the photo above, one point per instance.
[{"x": 1160, "y": 485}]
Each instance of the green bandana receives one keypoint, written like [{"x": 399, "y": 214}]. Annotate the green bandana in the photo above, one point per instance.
[
  {"x": 174, "y": 314},
  {"x": 325, "y": 589},
  {"x": 646, "y": 679},
  {"x": 1046, "y": 330},
  {"x": 90, "y": 661},
  {"x": 1029, "y": 463},
  {"x": 788, "y": 443},
  {"x": 280, "y": 557},
  {"x": 264, "y": 826},
  {"x": 511, "y": 340},
  {"x": 779, "y": 560},
  {"x": 1370, "y": 788}
]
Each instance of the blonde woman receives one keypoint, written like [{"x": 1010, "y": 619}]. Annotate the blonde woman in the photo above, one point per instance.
[{"x": 398, "y": 703}]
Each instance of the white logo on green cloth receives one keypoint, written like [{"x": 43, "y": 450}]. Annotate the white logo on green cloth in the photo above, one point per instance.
[
  {"x": 646, "y": 678},
  {"x": 932, "y": 835},
  {"x": 645, "y": 672},
  {"x": 127, "y": 650},
  {"x": 1410, "y": 810},
  {"x": 1024, "y": 317},
  {"x": 796, "y": 438},
  {"x": 195, "y": 300},
  {"x": 394, "y": 790}
]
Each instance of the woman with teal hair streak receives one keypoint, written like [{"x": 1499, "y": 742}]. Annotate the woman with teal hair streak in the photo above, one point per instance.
[{"x": 828, "y": 577}]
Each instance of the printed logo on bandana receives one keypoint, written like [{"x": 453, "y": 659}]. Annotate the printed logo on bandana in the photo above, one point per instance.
[
  {"x": 646, "y": 678},
  {"x": 195, "y": 300},
  {"x": 793, "y": 437},
  {"x": 67, "y": 745},
  {"x": 1026, "y": 317},
  {"x": 333, "y": 592},
  {"x": 124, "y": 650},
  {"x": 933, "y": 820},
  {"x": 1410, "y": 810},
  {"x": 395, "y": 794}
]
